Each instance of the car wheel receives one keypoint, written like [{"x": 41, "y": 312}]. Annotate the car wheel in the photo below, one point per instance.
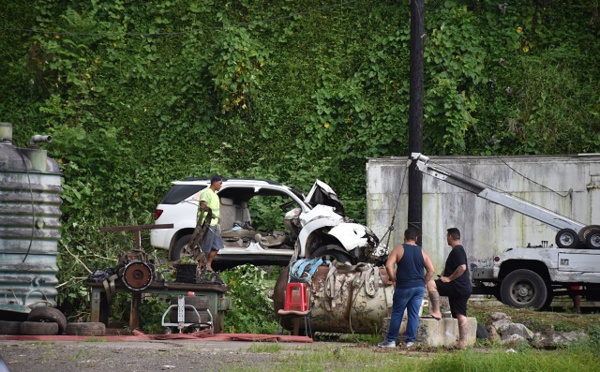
[
  {"x": 583, "y": 232},
  {"x": 524, "y": 288},
  {"x": 549, "y": 300},
  {"x": 592, "y": 238},
  {"x": 182, "y": 249},
  {"x": 332, "y": 251},
  {"x": 567, "y": 238},
  {"x": 49, "y": 314}
]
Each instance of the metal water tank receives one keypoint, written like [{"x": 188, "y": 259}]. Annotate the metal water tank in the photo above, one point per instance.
[
  {"x": 344, "y": 299},
  {"x": 30, "y": 188}
]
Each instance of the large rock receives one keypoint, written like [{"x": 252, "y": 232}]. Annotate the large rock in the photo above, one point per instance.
[
  {"x": 513, "y": 339},
  {"x": 498, "y": 316},
  {"x": 574, "y": 336},
  {"x": 554, "y": 340},
  {"x": 517, "y": 329},
  {"x": 502, "y": 325},
  {"x": 494, "y": 336}
]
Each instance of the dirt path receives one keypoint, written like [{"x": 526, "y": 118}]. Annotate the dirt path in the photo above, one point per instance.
[{"x": 146, "y": 356}]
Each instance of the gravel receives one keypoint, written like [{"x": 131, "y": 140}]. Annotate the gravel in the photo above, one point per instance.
[{"x": 73, "y": 356}]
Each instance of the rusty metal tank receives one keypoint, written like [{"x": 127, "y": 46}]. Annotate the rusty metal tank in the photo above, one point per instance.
[
  {"x": 30, "y": 188},
  {"x": 344, "y": 299}
]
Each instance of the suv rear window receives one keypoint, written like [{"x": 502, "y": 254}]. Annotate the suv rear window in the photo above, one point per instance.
[{"x": 180, "y": 192}]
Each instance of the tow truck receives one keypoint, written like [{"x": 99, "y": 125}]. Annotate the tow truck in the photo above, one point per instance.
[{"x": 532, "y": 276}]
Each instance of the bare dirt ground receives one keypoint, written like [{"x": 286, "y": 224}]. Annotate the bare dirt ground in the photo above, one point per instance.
[{"x": 145, "y": 356}]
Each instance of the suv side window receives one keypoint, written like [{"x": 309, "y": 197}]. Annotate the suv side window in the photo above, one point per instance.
[{"x": 180, "y": 192}]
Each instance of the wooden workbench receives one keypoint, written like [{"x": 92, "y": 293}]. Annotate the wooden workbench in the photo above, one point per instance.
[{"x": 218, "y": 303}]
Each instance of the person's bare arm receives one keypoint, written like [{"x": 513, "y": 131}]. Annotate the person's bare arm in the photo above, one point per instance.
[
  {"x": 458, "y": 272},
  {"x": 428, "y": 267},
  {"x": 390, "y": 264}
]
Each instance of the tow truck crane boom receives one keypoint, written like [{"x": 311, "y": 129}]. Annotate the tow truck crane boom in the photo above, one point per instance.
[{"x": 567, "y": 235}]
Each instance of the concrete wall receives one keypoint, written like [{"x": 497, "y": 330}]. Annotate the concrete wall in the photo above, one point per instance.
[{"x": 568, "y": 185}]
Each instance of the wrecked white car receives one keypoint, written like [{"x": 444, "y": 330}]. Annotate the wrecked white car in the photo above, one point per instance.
[{"x": 305, "y": 227}]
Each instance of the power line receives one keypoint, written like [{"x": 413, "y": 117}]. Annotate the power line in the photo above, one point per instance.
[{"x": 532, "y": 181}]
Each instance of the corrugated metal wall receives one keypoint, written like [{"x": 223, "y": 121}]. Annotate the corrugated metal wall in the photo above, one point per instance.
[
  {"x": 570, "y": 187},
  {"x": 30, "y": 187}
]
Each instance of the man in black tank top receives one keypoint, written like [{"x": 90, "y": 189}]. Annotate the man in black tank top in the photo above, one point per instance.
[
  {"x": 455, "y": 283},
  {"x": 405, "y": 267}
]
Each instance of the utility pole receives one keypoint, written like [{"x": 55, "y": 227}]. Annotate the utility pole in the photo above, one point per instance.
[{"x": 415, "y": 113}]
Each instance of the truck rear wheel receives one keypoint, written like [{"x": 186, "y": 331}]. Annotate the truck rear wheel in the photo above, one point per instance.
[{"x": 524, "y": 288}]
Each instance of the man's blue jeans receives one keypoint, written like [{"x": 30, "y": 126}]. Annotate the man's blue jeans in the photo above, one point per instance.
[{"x": 406, "y": 298}]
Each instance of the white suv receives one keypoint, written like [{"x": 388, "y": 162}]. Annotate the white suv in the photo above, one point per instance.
[{"x": 309, "y": 226}]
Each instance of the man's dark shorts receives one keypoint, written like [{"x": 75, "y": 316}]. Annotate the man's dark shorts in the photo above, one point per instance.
[
  {"x": 457, "y": 297},
  {"x": 212, "y": 240}
]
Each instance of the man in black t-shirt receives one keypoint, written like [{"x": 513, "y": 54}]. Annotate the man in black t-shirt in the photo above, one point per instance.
[{"x": 455, "y": 283}]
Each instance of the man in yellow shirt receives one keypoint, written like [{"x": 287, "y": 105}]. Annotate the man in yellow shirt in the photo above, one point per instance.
[{"x": 213, "y": 241}]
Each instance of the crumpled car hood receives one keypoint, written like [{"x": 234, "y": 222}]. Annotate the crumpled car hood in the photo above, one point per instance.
[{"x": 322, "y": 194}]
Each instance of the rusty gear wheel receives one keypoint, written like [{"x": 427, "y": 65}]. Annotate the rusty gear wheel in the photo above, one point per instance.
[{"x": 137, "y": 275}]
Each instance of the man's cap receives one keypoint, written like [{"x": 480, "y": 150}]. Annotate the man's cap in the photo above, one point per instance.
[{"x": 216, "y": 178}]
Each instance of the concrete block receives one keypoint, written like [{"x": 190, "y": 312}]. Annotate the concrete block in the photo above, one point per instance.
[
  {"x": 444, "y": 332},
  {"x": 385, "y": 326},
  {"x": 471, "y": 331}
]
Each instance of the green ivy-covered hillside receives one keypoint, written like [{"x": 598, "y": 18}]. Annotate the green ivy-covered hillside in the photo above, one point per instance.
[{"x": 140, "y": 93}]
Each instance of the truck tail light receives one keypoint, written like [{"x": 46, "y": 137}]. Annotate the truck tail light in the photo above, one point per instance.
[
  {"x": 496, "y": 259},
  {"x": 157, "y": 214}
]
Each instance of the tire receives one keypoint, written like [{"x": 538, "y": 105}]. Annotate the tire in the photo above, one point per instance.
[
  {"x": 592, "y": 238},
  {"x": 39, "y": 328},
  {"x": 181, "y": 249},
  {"x": 567, "y": 238},
  {"x": 86, "y": 329},
  {"x": 49, "y": 314},
  {"x": 524, "y": 288},
  {"x": 199, "y": 302},
  {"x": 549, "y": 299},
  {"x": 10, "y": 327},
  {"x": 333, "y": 251},
  {"x": 481, "y": 332},
  {"x": 583, "y": 232}
]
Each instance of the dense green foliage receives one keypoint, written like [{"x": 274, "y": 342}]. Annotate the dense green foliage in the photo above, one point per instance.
[
  {"x": 139, "y": 93},
  {"x": 252, "y": 306}
]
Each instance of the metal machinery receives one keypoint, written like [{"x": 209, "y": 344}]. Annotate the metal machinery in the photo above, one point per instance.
[
  {"x": 135, "y": 269},
  {"x": 571, "y": 233}
]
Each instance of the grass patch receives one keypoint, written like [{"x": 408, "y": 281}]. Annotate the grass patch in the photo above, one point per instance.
[
  {"x": 95, "y": 339},
  {"x": 80, "y": 354},
  {"x": 270, "y": 347},
  {"x": 340, "y": 358}
]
